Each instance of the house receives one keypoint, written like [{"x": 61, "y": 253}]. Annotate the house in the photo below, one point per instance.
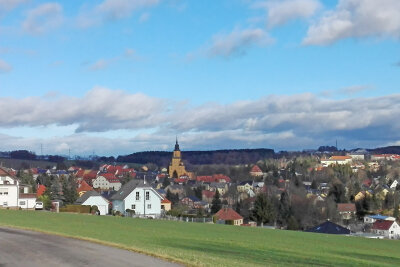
[
  {"x": 228, "y": 214},
  {"x": 166, "y": 205},
  {"x": 388, "y": 229},
  {"x": 346, "y": 210},
  {"x": 207, "y": 195},
  {"x": 336, "y": 160},
  {"x": 138, "y": 198},
  {"x": 370, "y": 219},
  {"x": 107, "y": 181},
  {"x": 244, "y": 186},
  {"x": 10, "y": 192},
  {"x": 27, "y": 201},
  {"x": 356, "y": 156},
  {"x": 361, "y": 195},
  {"x": 381, "y": 157},
  {"x": 83, "y": 187},
  {"x": 329, "y": 227},
  {"x": 256, "y": 171},
  {"x": 92, "y": 198},
  {"x": 189, "y": 201},
  {"x": 221, "y": 187},
  {"x": 394, "y": 184}
]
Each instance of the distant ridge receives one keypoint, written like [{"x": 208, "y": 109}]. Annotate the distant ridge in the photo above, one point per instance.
[
  {"x": 226, "y": 156},
  {"x": 385, "y": 150}
]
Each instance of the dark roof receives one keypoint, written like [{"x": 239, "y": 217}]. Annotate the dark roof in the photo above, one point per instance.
[
  {"x": 85, "y": 196},
  {"x": 329, "y": 228},
  {"x": 126, "y": 189}
]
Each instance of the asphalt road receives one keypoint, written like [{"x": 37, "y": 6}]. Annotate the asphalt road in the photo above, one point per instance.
[{"x": 26, "y": 248}]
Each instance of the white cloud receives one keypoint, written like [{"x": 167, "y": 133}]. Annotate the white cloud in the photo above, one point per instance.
[
  {"x": 4, "y": 67},
  {"x": 356, "y": 19},
  {"x": 113, "y": 10},
  {"x": 236, "y": 42},
  {"x": 144, "y": 17},
  {"x": 282, "y": 11},
  {"x": 8, "y": 5},
  {"x": 100, "y": 64},
  {"x": 284, "y": 122},
  {"x": 43, "y": 18}
]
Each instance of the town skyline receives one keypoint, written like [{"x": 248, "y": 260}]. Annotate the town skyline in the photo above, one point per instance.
[{"x": 117, "y": 77}]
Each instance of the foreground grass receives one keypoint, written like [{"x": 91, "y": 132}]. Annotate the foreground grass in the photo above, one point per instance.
[{"x": 212, "y": 245}]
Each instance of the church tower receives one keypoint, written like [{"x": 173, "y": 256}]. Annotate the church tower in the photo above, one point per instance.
[{"x": 176, "y": 167}]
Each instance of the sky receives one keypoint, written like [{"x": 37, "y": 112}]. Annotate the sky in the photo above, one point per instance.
[{"x": 112, "y": 77}]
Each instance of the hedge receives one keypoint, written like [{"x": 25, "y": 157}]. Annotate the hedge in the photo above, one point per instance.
[{"x": 76, "y": 208}]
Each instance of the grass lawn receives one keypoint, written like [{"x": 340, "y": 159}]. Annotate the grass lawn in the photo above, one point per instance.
[{"x": 197, "y": 244}]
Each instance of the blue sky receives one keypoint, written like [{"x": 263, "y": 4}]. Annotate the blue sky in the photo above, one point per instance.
[{"x": 118, "y": 76}]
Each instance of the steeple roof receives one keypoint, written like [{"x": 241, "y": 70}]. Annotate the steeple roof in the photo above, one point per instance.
[{"x": 176, "y": 145}]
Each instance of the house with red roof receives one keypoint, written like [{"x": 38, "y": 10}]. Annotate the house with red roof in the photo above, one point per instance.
[
  {"x": 83, "y": 187},
  {"x": 228, "y": 214},
  {"x": 207, "y": 195},
  {"x": 346, "y": 210},
  {"x": 388, "y": 229},
  {"x": 166, "y": 204},
  {"x": 256, "y": 171},
  {"x": 107, "y": 181}
]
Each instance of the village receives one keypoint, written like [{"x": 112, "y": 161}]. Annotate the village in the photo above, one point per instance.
[{"x": 353, "y": 194}]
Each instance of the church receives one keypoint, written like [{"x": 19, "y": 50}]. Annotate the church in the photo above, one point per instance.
[{"x": 176, "y": 167}]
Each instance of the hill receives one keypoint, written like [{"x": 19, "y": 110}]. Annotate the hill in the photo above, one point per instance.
[
  {"x": 228, "y": 156},
  {"x": 197, "y": 244}
]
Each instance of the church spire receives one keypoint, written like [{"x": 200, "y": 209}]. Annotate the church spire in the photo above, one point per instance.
[{"x": 176, "y": 144}]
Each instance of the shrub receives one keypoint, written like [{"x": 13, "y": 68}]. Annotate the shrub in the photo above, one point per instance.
[{"x": 76, "y": 208}]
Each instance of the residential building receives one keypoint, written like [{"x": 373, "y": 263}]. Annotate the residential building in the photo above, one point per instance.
[
  {"x": 228, "y": 214},
  {"x": 329, "y": 227},
  {"x": 388, "y": 229},
  {"x": 92, "y": 198},
  {"x": 336, "y": 160},
  {"x": 107, "y": 181},
  {"x": 166, "y": 205},
  {"x": 138, "y": 197},
  {"x": 256, "y": 171},
  {"x": 347, "y": 211}
]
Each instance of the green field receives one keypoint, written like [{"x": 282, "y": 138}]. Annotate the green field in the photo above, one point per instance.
[{"x": 212, "y": 245}]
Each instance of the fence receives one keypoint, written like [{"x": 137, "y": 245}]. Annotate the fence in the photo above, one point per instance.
[{"x": 186, "y": 219}]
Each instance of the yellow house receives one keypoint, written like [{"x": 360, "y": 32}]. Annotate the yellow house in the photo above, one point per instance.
[
  {"x": 244, "y": 186},
  {"x": 382, "y": 194},
  {"x": 361, "y": 195}
]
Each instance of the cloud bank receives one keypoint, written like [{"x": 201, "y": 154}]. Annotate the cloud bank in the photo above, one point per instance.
[{"x": 277, "y": 121}]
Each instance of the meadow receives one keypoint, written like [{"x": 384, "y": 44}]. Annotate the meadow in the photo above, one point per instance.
[{"x": 196, "y": 244}]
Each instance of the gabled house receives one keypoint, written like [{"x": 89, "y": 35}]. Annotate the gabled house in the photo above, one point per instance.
[
  {"x": 138, "y": 198},
  {"x": 10, "y": 196},
  {"x": 92, "y": 198},
  {"x": 346, "y": 210},
  {"x": 228, "y": 214},
  {"x": 388, "y": 229},
  {"x": 107, "y": 181},
  {"x": 245, "y": 186},
  {"x": 83, "y": 187},
  {"x": 256, "y": 171},
  {"x": 166, "y": 205}
]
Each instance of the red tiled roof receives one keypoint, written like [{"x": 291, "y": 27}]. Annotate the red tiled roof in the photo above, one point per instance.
[
  {"x": 382, "y": 225},
  {"x": 165, "y": 201},
  {"x": 83, "y": 186},
  {"x": 255, "y": 169},
  {"x": 340, "y": 157},
  {"x": 208, "y": 194},
  {"x": 228, "y": 214},
  {"x": 346, "y": 207},
  {"x": 4, "y": 172},
  {"x": 40, "y": 190},
  {"x": 214, "y": 178},
  {"x": 207, "y": 179},
  {"x": 180, "y": 180}
]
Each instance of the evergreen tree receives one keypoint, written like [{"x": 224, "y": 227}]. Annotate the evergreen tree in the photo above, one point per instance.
[
  {"x": 166, "y": 182},
  {"x": 263, "y": 211},
  {"x": 216, "y": 203},
  {"x": 284, "y": 209}
]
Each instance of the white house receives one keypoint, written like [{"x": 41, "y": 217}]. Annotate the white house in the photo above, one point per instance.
[
  {"x": 92, "y": 198},
  {"x": 394, "y": 184},
  {"x": 27, "y": 201},
  {"x": 9, "y": 190},
  {"x": 10, "y": 196},
  {"x": 336, "y": 160},
  {"x": 107, "y": 181},
  {"x": 139, "y": 198},
  {"x": 388, "y": 229}
]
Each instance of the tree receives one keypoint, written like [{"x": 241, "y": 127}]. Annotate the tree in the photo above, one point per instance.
[
  {"x": 284, "y": 209},
  {"x": 216, "y": 203},
  {"x": 166, "y": 182},
  {"x": 338, "y": 192},
  {"x": 69, "y": 191},
  {"x": 263, "y": 211}
]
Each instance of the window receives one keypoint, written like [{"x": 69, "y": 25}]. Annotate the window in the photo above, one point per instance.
[
  {"x": 149, "y": 206},
  {"x": 22, "y": 202},
  {"x": 5, "y": 193},
  {"x": 147, "y": 195},
  {"x": 133, "y": 206},
  {"x": 137, "y": 195},
  {"x": 4, "y": 203}
]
